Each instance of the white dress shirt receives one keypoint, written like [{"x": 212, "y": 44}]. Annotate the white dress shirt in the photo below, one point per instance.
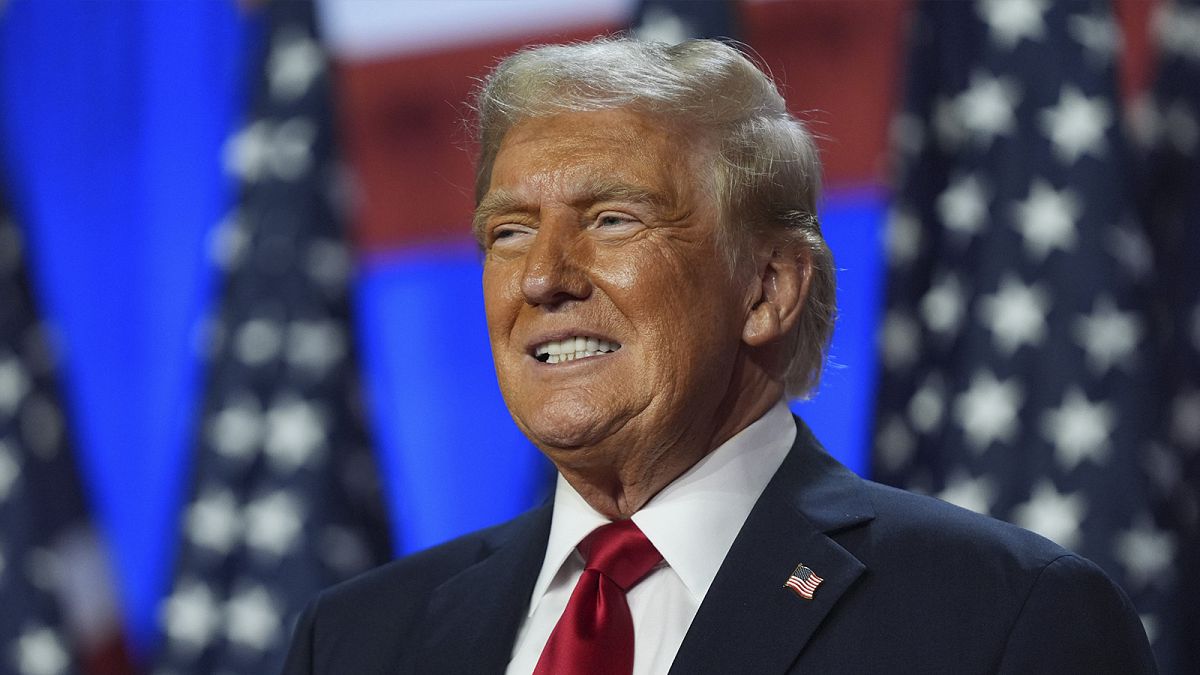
[{"x": 692, "y": 522}]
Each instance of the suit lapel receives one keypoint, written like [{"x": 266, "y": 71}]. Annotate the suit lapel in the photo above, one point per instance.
[
  {"x": 749, "y": 622},
  {"x": 472, "y": 619}
]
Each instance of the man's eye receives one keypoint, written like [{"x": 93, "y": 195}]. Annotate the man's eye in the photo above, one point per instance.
[
  {"x": 610, "y": 219},
  {"x": 504, "y": 232}
]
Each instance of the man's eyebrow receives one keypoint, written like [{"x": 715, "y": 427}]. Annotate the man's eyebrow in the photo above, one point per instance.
[
  {"x": 603, "y": 190},
  {"x": 495, "y": 201}
]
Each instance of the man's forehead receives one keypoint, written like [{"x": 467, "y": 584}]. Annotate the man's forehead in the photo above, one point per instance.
[
  {"x": 589, "y": 152},
  {"x": 615, "y": 124},
  {"x": 588, "y": 188}
]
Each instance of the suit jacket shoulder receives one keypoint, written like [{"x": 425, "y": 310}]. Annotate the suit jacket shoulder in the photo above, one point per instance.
[
  {"x": 948, "y": 590},
  {"x": 910, "y": 584},
  {"x": 396, "y": 618}
]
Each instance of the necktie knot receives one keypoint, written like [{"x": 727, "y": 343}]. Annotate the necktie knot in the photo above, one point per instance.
[
  {"x": 595, "y": 632},
  {"x": 620, "y": 552}
]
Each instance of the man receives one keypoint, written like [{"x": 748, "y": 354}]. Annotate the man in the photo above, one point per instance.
[{"x": 656, "y": 283}]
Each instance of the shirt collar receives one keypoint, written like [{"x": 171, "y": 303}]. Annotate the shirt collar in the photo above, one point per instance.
[{"x": 694, "y": 519}]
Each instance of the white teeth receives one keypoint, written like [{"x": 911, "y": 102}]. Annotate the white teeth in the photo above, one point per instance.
[{"x": 573, "y": 348}]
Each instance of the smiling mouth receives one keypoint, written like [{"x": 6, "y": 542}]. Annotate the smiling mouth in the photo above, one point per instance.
[{"x": 573, "y": 349}]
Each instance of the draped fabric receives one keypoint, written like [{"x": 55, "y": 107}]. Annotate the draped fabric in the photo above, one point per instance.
[
  {"x": 1021, "y": 375},
  {"x": 285, "y": 498}
]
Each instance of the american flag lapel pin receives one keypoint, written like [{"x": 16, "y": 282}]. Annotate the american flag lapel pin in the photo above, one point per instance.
[{"x": 803, "y": 581}]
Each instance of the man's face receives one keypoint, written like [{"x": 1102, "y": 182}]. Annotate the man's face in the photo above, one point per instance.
[{"x": 614, "y": 323}]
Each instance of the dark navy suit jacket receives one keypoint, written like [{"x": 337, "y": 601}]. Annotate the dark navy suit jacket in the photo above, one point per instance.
[{"x": 911, "y": 585}]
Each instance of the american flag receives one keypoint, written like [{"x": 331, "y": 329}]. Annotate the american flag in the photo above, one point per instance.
[
  {"x": 673, "y": 21},
  {"x": 803, "y": 581},
  {"x": 1020, "y": 377},
  {"x": 284, "y": 498},
  {"x": 1167, "y": 124},
  {"x": 59, "y": 611},
  {"x": 39, "y": 492}
]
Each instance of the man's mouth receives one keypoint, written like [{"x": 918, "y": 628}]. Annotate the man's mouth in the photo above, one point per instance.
[{"x": 573, "y": 349}]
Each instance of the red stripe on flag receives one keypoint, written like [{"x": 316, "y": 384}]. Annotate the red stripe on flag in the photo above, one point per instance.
[{"x": 403, "y": 133}]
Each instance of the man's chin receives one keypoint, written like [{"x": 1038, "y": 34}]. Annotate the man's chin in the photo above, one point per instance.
[{"x": 576, "y": 436}]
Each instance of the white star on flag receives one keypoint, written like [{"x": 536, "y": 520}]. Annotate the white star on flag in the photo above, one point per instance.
[
  {"x": 900, "y": 340},
  {"x": 1052, "y": 514},
  {"x": 903, "y": 237},
  {"x": 329, "y": 263},
  {"x": 291, "y": 148},
  {"x": 1108, "y": 335},
  {"x": 662, "y": 25},
  {"x": 927, "y": 406},
  {"x": 1046, "y": 219},
  {"x": 252, "y": 619},
  {"x": 258, "y": 341},
  {"x": 975, "y": 494},
  {"x": 40, "y": 651},
  {"x": 1098, "y": 35},
  {"x": 245, "y": 153},
  {"x": 943, "y": 307},
  {"x": 237, "y": 429},
  {"x": 1146, "y": 552},
  {"x": 295, "y": 432},
  {"x": 229, "y": 241},
  {"x": 1015, "y": 314},
  {"x": 1077, "y": 124},
  {"x": 894, "y": 443},
  {"x": 987, "y": 410},
  {"x": 274, "y": 523},
  {"x": 1177, "y": 27},
  {"x": 1013, "y": 20},
  {"x": 190, "y": 616},
  {"x": 314, "y": 346},
  {"x": 14, "y": 385},
  {"x": 986, "y": 108},
  {"x": 213, "y": 521},
  {"x": 294, "y": 63},
  {"x": 963, "y": 205},
  {"x": 1079, "y": 429}
]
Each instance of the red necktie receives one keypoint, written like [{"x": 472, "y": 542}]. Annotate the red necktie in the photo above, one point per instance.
[{"x": 595, "y": 633}]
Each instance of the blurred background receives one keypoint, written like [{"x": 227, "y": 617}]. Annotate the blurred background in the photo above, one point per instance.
[{"x": 242, "y": 345}]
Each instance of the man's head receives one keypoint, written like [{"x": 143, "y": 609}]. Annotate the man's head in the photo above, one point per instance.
[
  {"x": 662, "y": 200},
  {"x": 765, "y": 173}
]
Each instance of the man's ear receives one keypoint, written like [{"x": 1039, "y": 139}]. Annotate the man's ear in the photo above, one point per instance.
[{"x": 781, "y": 288}]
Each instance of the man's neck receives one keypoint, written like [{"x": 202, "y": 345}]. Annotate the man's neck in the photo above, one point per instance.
[{"x": 619, "y": 492}]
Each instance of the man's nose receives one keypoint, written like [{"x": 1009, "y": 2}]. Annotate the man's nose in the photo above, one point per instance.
[{"x": 556, "y": 266}]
